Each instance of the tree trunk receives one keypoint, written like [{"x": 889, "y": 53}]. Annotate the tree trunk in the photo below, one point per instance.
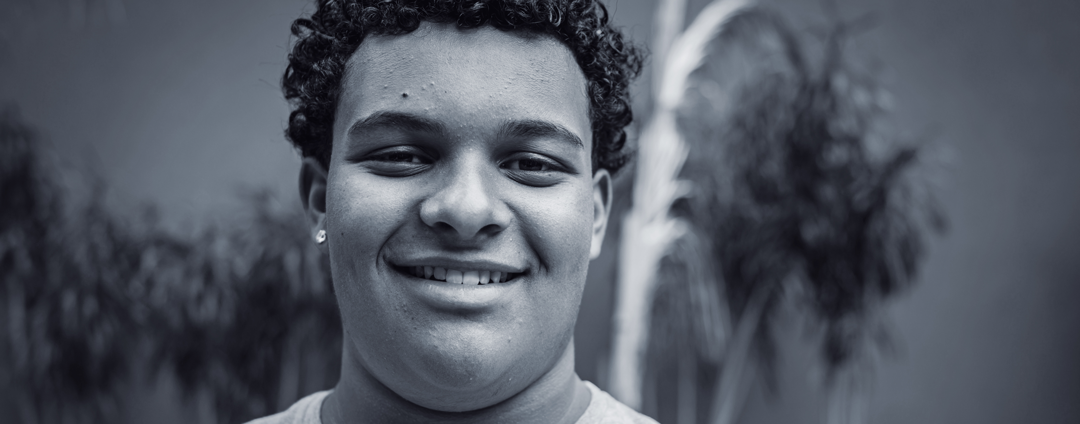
[
  {"x": 646, "y": 231},
  {"x": 688, "y": 381},
  {"x": 648, "y": 228},
  {"x": 849, "y": 395},
  {"x": 738, "y": 367}
]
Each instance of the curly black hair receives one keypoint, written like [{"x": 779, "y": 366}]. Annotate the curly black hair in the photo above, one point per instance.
[{"x": 327, "y": 39}]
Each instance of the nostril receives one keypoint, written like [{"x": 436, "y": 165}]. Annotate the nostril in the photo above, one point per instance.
[
  {"x": 467, "y": 222},
  {"x": 443, "y": 226},
  {"x": 467, "y": 203}
]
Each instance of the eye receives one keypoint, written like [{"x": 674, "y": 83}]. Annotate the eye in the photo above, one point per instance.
[
  {"x": 528, "y": 164},
  {"x": 400, "y": 157},
  {"x": 534, "y": 170},
  {"x": 401, "y": 161}
]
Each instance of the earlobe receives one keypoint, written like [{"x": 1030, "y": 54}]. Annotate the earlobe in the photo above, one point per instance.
[
  {"x": 601, "y": 210},
  {"x": 313, "y": 176}
]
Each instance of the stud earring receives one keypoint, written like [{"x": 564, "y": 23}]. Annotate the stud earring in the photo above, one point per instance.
[{"x": 320, "y": 237}]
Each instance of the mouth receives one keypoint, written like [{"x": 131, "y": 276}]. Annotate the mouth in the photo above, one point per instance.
[{"x": 458, "y": 276}]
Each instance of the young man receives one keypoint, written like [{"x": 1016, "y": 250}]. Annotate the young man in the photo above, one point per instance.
[{"x": 457, "y": 172}]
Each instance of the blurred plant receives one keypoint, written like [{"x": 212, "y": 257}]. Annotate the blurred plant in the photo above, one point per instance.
[
  {"x": 244, "y": 316},
  {"x": 798, "y": 200},
  {"x": 249, "y": 321},
  {"x": 68, "y": 339},
  {"x": 648, "y": 229}
]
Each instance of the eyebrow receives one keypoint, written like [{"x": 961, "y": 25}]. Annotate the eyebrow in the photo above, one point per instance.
[
  {"x": 539, "y": 129},
  {"x": 529, "y": 128},
  {"x": 397, "y": 120}
]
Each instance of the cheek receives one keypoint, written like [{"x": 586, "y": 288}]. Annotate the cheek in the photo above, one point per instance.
[
  {"x": 363, "y": 212},
  {"x": 559, "y": 229},
  {"x": 360, "y": 217}
]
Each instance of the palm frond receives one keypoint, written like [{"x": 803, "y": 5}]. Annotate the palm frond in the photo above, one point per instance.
[{"x": 649, "y": 228}]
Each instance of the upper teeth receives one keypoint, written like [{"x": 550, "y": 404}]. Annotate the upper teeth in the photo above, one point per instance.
[{"x": 455, "y": 276}]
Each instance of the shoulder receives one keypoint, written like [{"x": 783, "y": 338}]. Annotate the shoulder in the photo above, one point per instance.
[
  {"x": 604, "y": 409},
  {"x": 304, "y": 411}
]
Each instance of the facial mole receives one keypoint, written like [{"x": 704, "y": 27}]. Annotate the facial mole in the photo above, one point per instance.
[{"x": 404, "y": 95}]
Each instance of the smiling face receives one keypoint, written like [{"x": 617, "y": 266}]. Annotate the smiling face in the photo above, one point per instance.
[{"x": 460, "y": 156}]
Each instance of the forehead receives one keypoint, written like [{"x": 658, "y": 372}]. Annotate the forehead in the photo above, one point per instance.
[{"x": 467, "y": 78}]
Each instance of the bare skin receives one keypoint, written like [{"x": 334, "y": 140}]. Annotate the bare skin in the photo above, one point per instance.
[{"x": 469, "y": 151}]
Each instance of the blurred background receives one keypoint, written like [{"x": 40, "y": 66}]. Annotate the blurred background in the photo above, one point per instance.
[{"x": 155, "y": 269}]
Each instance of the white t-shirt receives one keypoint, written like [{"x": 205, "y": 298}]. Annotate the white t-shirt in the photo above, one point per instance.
[{"x": 603, "y": 409}]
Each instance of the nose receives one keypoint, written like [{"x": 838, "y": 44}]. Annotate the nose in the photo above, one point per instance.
[{"x": 465, "y": 203}]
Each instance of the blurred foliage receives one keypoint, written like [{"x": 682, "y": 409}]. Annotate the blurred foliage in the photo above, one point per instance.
[
  {"x": 799, "y": 194},
  {"x": 65, "y": 343},
  {"x": 243, "y": 315}
]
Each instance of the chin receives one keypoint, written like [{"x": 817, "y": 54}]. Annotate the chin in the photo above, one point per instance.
[{"x": 471, "y": 368}]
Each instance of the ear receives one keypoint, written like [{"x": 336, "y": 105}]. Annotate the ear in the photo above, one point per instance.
[
  {"x": 313, "y": 195},
  {"x": 601, "y": 209}
]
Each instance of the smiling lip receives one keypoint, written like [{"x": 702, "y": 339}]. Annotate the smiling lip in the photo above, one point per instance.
[
  {"x": 439, "y": 261},
  {"x": 463, "y": 275},
  {"x": 452, "y": 292},
  {"x": 443, "y": 269}
]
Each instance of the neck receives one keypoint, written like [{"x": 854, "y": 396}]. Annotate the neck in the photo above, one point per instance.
[{"x": 558, "y": 396}]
